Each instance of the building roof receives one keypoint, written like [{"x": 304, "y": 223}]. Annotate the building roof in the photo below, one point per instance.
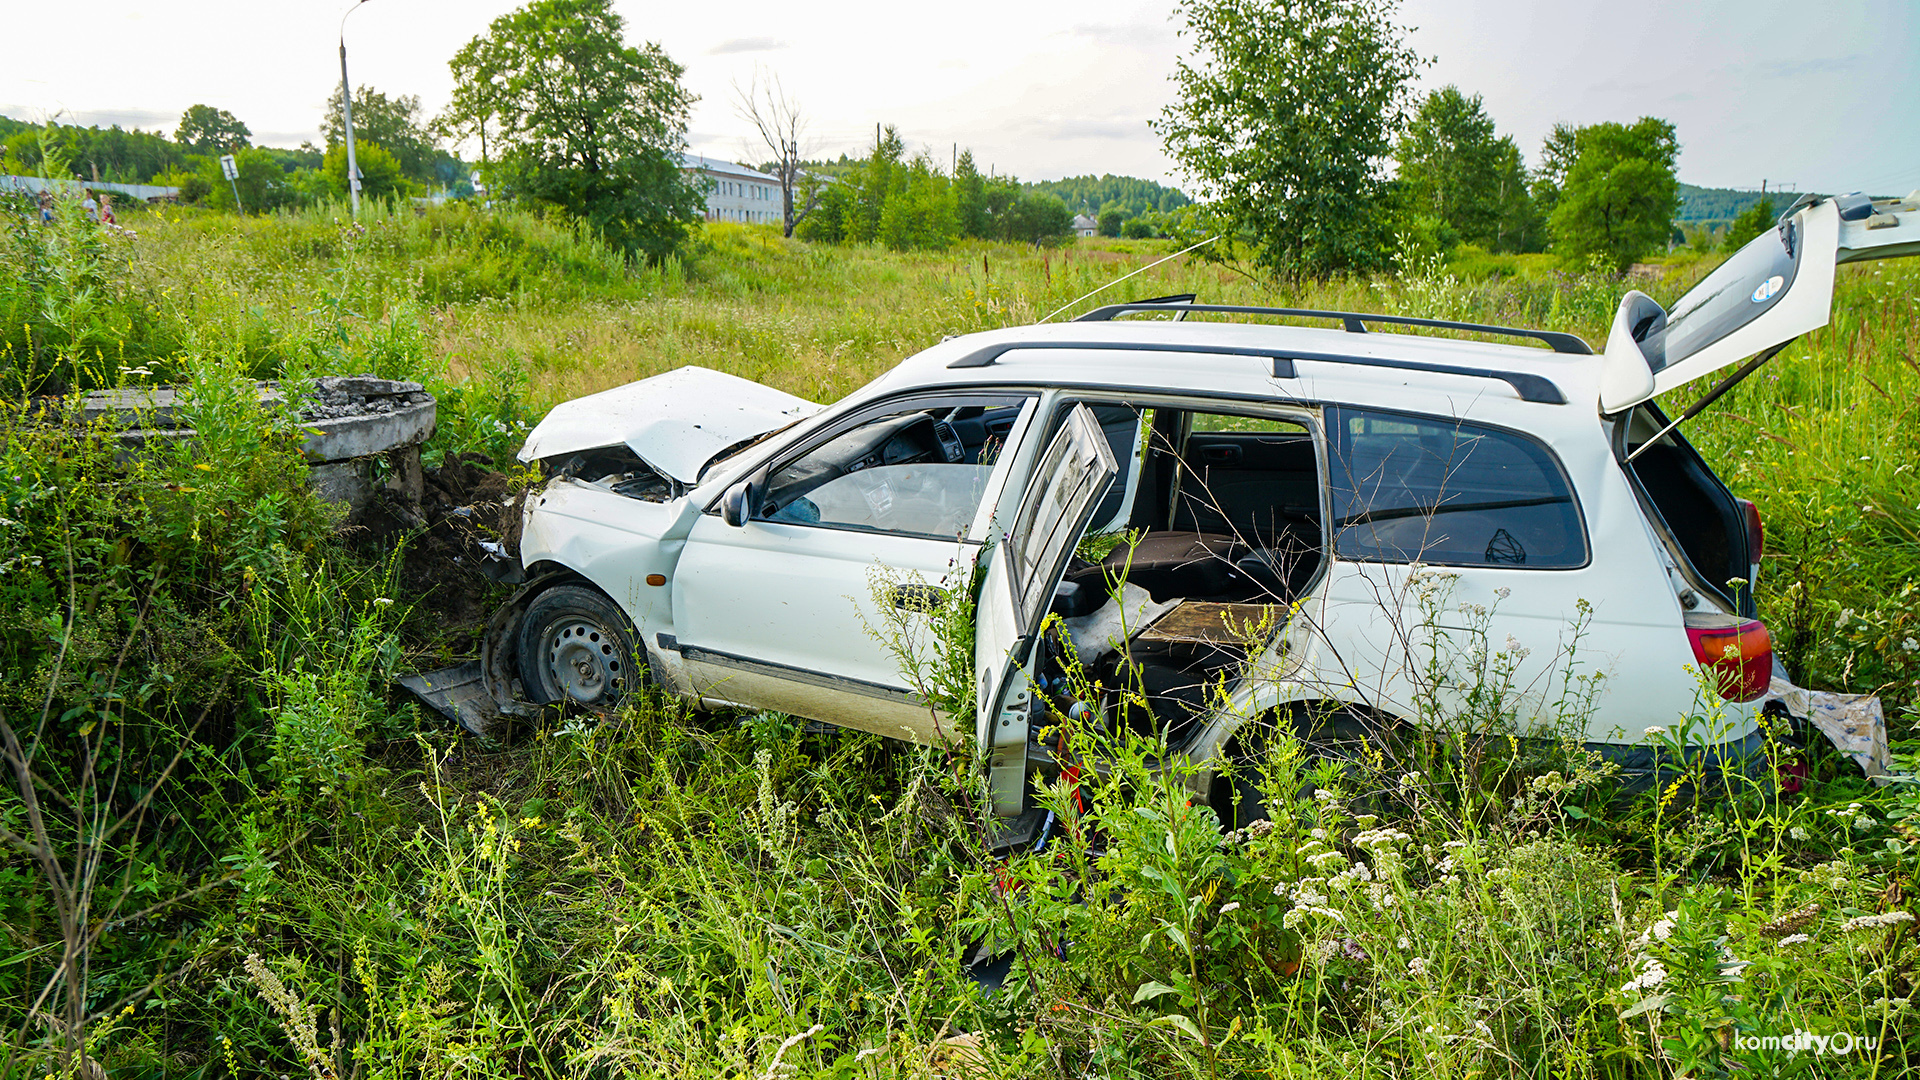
[
  {"x": 1082, "y": 221},
  {"x": 719, "y": 167}
]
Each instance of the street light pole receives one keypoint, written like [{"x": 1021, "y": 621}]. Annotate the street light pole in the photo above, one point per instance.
[{"x": 346, "y": 113}]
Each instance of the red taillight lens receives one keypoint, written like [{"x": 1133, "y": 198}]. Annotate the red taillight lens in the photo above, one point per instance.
[
  {"x": 1740, "y": 657},
  {"x": 1756, "y": 533}
]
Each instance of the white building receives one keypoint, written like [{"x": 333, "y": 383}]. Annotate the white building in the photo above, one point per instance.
[
  {"x": 1085, "y": 226},
  {"x": 735, "y": 192}
]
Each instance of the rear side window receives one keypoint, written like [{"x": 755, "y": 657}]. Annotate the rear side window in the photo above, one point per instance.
[{"x": 1431, "y": 490}]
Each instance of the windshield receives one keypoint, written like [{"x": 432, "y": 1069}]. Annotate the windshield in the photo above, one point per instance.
[{"x": 1739, "y": 291}]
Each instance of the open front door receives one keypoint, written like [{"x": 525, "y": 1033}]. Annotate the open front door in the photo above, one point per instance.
[
  {"x": 1769, "y": 292},
  {"x": 1022, "y": 569}
]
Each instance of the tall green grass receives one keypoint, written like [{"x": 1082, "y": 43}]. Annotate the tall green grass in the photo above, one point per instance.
[{"x": 329, "y": 883}]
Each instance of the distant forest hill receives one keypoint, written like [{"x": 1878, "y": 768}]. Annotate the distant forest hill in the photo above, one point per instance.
[
  {"x": 1130, "y": 195},
  {"x": 1701, "y": 205}
]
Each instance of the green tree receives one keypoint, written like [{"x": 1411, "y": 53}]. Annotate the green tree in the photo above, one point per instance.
[
  {"x": 1752, "y": 221},
  {"x": 1137, "y": 228},
  {"x": 1455, "y": 170},
  {"x": 969, "y": 198},
  {"x": 262, "y": 183},
  {"x": 1129, "y": 194},
  {"x": 1620, "y": 193},
  {"x": 381, "y": 176},
  {"x": 1110, "y": 222},
  {"x": 1557, "y": 154},
  {"x": 1286, "y": 114},
  {"x": 582, "y": 121},
  {"x": 206, "y": 130},
  {"x": 391, "y": 122},
  {"x": 1518, "y": 223}
]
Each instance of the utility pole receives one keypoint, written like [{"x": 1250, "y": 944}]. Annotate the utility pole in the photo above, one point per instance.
[{"x": 346, "y": 114}]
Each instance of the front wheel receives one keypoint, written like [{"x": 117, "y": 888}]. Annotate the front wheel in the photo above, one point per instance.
[{"x": 575, "y": 645}]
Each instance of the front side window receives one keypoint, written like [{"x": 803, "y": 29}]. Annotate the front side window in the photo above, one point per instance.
[
  {"x": 1438, "y": 491},
  {"x": 913, "y": 472}
]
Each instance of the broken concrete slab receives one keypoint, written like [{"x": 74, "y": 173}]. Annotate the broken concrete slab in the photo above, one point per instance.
[{"x": 349, "y": 421}]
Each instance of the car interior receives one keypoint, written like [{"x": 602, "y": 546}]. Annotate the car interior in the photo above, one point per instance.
[
  {"x": 1212, "y": 525},
  {"x": 918, "y": 473}
]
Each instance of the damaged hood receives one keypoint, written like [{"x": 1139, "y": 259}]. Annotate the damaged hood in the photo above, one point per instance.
[{"x": 674, "y": 422}]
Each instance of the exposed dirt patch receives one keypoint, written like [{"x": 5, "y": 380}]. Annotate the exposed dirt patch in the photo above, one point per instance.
[{"x": 464, "y": 504}]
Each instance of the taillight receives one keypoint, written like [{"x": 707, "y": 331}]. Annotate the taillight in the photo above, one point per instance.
[
  {"x": 1756, "y": 533},
  {"x": 1739, "y": 657}
]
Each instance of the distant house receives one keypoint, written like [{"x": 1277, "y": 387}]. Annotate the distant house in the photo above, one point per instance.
[
  {"x": 1085, "y": 226},
  {"x": 735, "y": 192}
]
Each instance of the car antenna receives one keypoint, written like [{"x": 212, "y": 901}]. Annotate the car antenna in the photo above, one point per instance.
[{"x": 1142, "y": 270}]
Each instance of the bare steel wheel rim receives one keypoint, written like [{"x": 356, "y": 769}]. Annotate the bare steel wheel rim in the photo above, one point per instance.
[{"x": 584, "y": 661}]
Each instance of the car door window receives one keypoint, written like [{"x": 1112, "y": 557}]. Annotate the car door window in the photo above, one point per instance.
[
  {"x": 913, "y": 472},
  {"x": 1432, "y": 490}
]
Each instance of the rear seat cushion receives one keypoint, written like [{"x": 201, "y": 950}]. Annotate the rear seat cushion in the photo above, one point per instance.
[{"x": 1172, "y": 564}]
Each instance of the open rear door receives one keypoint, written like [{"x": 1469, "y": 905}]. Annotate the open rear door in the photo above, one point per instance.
[
  {"x": 1023, "y": 569},
  {"x": 1769, "y": 292}
]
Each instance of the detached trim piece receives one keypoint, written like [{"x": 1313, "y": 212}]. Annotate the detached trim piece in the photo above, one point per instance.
[
  {"x": 1354, "y": 322},
  {"x": 1530, "y": 387}
]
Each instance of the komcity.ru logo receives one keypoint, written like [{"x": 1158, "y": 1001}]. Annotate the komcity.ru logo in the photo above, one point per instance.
[{"x": 1839, "y": 1043}]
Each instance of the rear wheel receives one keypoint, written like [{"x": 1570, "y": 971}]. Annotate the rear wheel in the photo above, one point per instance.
[
  {"x": 1356, "y": 742},
  {"x": 575, "y": 645}
]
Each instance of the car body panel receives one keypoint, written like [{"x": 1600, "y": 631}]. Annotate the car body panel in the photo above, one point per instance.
[
  {"x": 1777, "y": 287},
  {"x": 1071, "y": 476},
  {"x": 675, "y": 422},
  {"x": 795, "y": 605}
]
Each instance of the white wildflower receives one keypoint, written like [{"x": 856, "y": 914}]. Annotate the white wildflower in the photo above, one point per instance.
[
  {"x": 1654, "y": 974},
  {"x": 1794, "y": 939},
  {"x": 1455, "y": 845},
  {"x": 1654, "y": 731},
  {"x": 1327, "y": 859},
  {"x": 1417, "y": 967},
  {"x": 1875, "y": 922},
  {"x": 1230, "y": 907},
  {"x": 1798, "y": 833}
]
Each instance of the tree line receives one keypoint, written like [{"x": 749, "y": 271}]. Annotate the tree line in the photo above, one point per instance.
[
  {"x": 911, "y": 204},
  {"x": 1326, "y": 164}
]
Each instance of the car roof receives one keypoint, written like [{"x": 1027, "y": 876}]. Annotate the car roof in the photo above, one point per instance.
[{"x": 1161, "y": 356}]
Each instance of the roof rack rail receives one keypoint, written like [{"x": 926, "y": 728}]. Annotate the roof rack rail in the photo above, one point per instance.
[
  {"x": 1530, "y": 387},
  {"x": 1354, "y": 322}
]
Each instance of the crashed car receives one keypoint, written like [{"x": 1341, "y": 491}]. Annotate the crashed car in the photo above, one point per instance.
[{"x": 1369, "y": 500}]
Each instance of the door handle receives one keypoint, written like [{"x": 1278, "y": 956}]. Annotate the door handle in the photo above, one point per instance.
[
  {"x": 916, "y": 597},
  {"x": 1219, "y": 455}
]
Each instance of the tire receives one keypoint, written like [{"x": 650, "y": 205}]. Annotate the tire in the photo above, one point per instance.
[
  {"x": 576, "y": 646},
  {"x": 1340, "y": 734}
]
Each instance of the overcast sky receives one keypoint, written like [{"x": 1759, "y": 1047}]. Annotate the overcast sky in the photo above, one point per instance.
[{"x": 1819, "y": 95}]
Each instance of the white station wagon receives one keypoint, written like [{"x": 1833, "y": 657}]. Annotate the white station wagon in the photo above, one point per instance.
[{"x": 721, "y": 538}]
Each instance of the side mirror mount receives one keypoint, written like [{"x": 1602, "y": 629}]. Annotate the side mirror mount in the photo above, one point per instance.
[{"x": 738, "y": 505}]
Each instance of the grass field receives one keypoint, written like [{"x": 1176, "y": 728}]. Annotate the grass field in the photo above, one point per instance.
[{"x": 311, "y": 877}]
